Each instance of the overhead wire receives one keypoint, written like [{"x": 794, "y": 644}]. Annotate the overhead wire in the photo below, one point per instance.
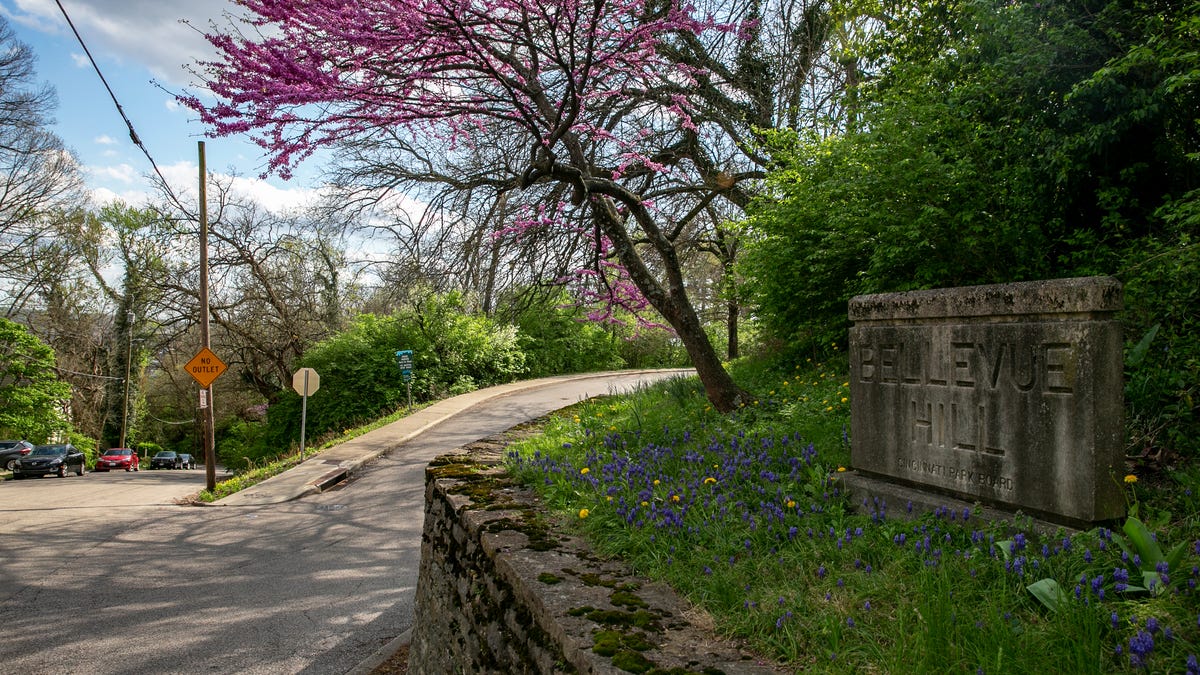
[{"x": 133, "y": 136}]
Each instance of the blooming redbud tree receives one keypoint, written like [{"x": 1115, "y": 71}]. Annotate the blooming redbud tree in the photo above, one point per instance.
[{"x": 597, "y": 98}]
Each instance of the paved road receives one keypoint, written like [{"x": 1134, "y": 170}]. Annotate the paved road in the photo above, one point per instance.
[{"x": 314, "y": 585}]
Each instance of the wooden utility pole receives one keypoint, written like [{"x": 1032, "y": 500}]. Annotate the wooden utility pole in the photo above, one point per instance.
[{"x": 206, "y": 400}]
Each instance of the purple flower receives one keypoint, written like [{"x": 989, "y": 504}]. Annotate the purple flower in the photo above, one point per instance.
[{"x": 1140, "y": 646}]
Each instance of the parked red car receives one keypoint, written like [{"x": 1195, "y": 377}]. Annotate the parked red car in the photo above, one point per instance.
[{"x": 117, "y": 458}]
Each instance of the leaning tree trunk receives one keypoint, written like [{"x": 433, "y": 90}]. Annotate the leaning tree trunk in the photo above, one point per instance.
[{"x": 671, "y": 301}]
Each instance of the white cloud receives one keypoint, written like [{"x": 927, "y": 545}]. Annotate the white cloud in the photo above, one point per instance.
[
  {"x": 105, "y": 139},
  {"x": 121, "y": 173},
  {"x": 184, "y": 177},
  {"x": 163, "y": 35},
  {"x": 81, "y": 60}
]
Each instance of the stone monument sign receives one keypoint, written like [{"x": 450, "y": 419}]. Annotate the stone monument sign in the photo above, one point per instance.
[{"x": 1010, "y": 394}]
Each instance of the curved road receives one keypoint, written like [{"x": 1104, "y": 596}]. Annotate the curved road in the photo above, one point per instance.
[{"x": 104, "y": 574}]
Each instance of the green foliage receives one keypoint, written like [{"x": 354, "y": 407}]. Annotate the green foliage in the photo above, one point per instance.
[
  {"x": 453, "y": 352},
  {"x": 980, "y": 158},
  {"x": 31, "y": 395},
  {"x": 557, "y": 338},
  {"x": 147, "y": 449},
  {"x": 85, "y": 444},
  {"x": 651, "y": 348},
  {"x": 741, "y": 515}
]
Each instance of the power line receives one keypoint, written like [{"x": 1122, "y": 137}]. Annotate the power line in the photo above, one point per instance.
[
  {"x": 128, "y": 123},
  {"x": 76, "y": 372},
  {"x": 191, "y": 421}
]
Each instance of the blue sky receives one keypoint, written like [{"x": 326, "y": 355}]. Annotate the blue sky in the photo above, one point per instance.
[{"x": 142, "y": 48}]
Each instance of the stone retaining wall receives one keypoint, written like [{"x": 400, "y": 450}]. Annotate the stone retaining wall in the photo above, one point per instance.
[{"x": 501, "y": 592}]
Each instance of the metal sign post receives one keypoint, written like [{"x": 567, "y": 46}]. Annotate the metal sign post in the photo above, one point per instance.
[
  {"x": 404, "y": 359},
  {"x": 305, "y": 381}
]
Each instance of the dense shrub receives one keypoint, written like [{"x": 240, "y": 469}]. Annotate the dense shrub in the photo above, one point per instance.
[
  {"x": 453, "y": 352},
  {"x": 557, "y": 339},
  {"x": 979, "y": 158}
]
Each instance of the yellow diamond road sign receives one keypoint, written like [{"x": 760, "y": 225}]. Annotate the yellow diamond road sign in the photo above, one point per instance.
[{"x": 205, "y": 367}]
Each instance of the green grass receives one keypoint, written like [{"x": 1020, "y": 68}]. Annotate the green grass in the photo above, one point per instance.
[
  {"x": 743, "y": 515},
  {"x": 257, "y": 472}
]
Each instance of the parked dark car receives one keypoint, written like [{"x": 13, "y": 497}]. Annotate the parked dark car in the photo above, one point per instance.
[
  {"x": 187, "y": 461},
  {"x": 166, "y": 459},
  {"x": 11, "y": 451},
  {"x": 117, "y": 458},
  {"x": 57, "y": 459}
]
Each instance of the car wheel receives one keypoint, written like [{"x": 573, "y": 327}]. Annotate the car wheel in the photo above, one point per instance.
[
  {"x": 79, "y": 471},
  {"x": 62, "y": 470},
  {"x": 12, "y": 464}
]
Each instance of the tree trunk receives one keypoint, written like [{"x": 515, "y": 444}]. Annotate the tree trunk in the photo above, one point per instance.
[
  {"x": 731, "y": 323},
  {"x": 724, "y": 394},
  {"x": 673, "y": 304}
]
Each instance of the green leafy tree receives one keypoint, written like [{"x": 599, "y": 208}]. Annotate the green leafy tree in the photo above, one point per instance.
[
  {"x": 31, "y": 395},
  {"x": 1003, "y": 143},
  {"x": 454, "y": 352}
]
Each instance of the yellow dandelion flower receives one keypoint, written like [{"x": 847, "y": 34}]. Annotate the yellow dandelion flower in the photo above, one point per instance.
[
  {"x": 585, "y": 470},
  {"x": 844, "y": 399},
  {"x": 1131, "y": 478},
  {"x": 841, "y": 469},
  {"x": 576, "y": 419},
  {"x": 645, "y": 503},
  {"x": 657, "y": 481},
  {"x": 791, "y": 504},
  {"x": 675, "y": 498},
  {"x": 583, "y": 513},
  {"x": 609, "y": 498},
  {"x": 710, "y": 480},
  {"x": 845, "y": 384},
  {"x": 612, "y": 428},
  {"x": 828, "y": 408}
]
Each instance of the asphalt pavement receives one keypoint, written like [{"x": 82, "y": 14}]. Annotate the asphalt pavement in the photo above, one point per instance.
[{"x": 335, "y": 464}]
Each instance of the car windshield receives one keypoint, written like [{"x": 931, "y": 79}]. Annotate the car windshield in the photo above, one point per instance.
[
  {"x": 166, "y": 454},
  {"x": 49, "y": 450},
  {"x": 4, "y": 445},
  {"x": 117, "y": 452}
]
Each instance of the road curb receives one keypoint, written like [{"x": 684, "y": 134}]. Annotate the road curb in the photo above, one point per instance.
[
  {"x": 283, "y": 490},
  {"x": 367, "y": 665}
]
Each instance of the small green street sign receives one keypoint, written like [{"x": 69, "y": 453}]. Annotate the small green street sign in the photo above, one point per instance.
[{"x": 404, "y": 359}]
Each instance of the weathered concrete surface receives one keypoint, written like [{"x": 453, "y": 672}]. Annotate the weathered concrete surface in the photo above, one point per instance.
[
  {"x": 501, "y": 592},
  {"x": 1008, "y": 394}
]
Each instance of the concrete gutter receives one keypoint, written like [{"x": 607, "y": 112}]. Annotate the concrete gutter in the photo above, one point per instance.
[{"x": 331, "y": 466}]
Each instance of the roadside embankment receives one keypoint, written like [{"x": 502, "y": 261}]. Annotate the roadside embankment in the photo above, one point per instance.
[{"x": 500, "y": 590}]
